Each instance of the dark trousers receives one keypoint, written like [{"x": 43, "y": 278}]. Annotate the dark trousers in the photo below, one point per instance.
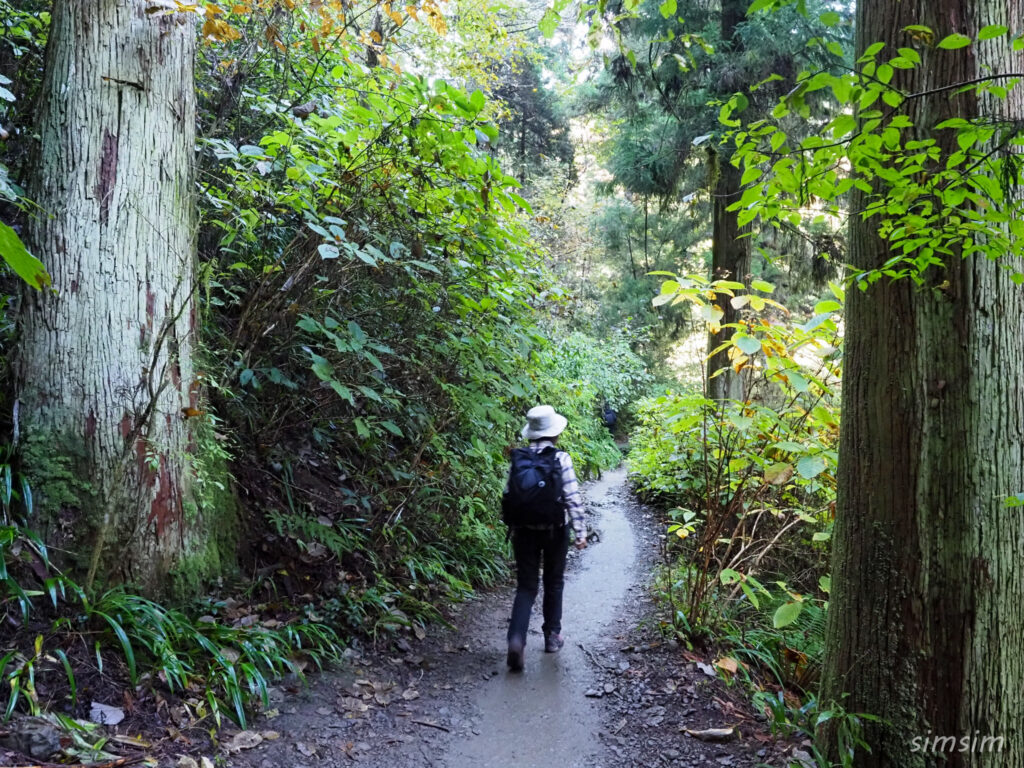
[{"x": 533, "y": 547}]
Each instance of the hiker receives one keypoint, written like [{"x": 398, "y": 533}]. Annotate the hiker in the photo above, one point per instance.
[
  {"x": 541, "y": 505},
  {"x": 610, "y": 416}
]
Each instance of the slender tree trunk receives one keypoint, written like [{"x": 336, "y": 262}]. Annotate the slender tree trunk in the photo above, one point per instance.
[
  {"x": 647, "y": 259},
  {"x": 730, "y": 251},
  {"x": 522, "y": 150},
  {"x": 629, "y": 246},
  {"x": 730, "y": 260},
  {"x": 105, "y": 366},
  {"x": 926, "y": 625}
]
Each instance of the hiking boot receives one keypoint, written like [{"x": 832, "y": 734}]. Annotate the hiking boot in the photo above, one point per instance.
[
  {"x": 515, "y": 654},
  {"x": 553, "y": 642}
]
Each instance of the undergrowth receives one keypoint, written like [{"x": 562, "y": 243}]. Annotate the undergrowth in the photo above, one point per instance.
[
  {"x": 748, "y": 492},
  {"x": 214, "y": 665}
]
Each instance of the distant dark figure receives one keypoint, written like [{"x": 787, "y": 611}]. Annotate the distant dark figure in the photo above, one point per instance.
[{"x": 610, "y": 417}]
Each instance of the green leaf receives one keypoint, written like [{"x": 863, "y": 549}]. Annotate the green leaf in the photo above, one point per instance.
[
  {"x": 954, "y": 41},
  {"x": 548, "y": 22},
  {"x": 729, "y": 576},
  {"x": 750, "y": 594},
  {"x": 911, "y": 55},
  {"x": 343, "y": 392},
  {"x": 786, "y": 614},
  {"x": 741, "y": 423},
  {"x": 668, "y": 8},
  {"x": 762, "y": 285},
  {"x": 748, "y": 344},
  {"x": 126, "y": 645},
  {"x": 28, "y": 267},
  {"x": 810, "y": 466},
  {"x": 830, "y": 18},
  {"x": 871, "y": 51},
  {"x": 991, "y": 31}
]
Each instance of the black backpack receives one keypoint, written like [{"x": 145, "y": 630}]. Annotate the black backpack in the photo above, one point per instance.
[{"x": 534, "y": 495}]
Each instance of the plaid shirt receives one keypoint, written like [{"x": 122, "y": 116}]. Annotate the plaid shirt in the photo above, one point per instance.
[{"x": 570, "y": 489}]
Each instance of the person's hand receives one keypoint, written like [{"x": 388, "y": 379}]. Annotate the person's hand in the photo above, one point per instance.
[{"x": 581, "y": 543}]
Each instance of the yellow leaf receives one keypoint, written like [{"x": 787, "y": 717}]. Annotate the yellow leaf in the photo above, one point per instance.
[
  {"x": 727, "y": 665},
  {"x": 411, "y": 10},
  {"x": 778, "y": 474}
]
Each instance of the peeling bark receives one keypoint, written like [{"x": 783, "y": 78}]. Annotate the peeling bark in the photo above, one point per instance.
[
  {"x": 117, "y": 234},
  {"x": 926, "y": 626}
]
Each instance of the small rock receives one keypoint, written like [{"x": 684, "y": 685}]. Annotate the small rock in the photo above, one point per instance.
[
  {"x": 712, "y": 734},
  {"x": 803, "y": 758},
  {"x": 32, "y": 736}
]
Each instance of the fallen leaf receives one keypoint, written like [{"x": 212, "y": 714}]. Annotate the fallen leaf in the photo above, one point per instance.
[
  {"x": 410, "y": 693},
  {"x": 727, "y": 664},
  {"x": 270, "y": 735},
  {"x": 707, "y": 669},
  {"x": 186, "y": 762},
  {"x": 243, "y": 740},
  {"x": 305, "y": 749},
  {"x": 132, "y": 741},
  {"x": 104, "y": 714},
  {"x": 352, "y": 704}
]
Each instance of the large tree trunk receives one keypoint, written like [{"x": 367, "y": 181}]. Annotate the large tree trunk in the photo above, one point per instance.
[
  {"x": 730, "y": 251},
  {"x": 926, "y": 625},
  {"x": 105, "y": 363}
]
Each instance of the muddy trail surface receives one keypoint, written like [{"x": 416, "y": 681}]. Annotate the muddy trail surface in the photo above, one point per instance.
[{"x": 615, "y": 696}]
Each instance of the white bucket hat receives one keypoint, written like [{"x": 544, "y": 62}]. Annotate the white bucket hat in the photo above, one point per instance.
[{"x": 542, "y": 421}]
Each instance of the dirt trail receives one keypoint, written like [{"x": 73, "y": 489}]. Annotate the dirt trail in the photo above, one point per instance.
[
  {"x": 615, "y": 696},
  {"x": 543, "y": 716}
]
